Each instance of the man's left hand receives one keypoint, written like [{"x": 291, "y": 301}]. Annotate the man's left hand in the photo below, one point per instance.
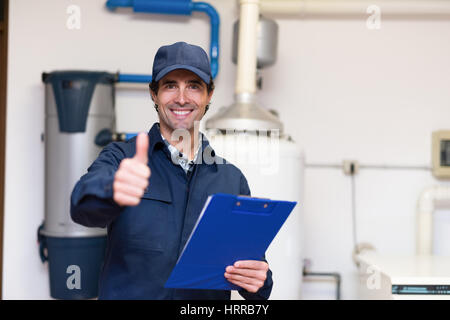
[{"x": 247, "y": 274}]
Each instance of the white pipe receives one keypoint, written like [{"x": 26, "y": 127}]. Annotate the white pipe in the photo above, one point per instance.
[
  {"x": 247, "y": 46},
  {"x": 355, "y": 7},
  {"x": 429, "y": 199}
]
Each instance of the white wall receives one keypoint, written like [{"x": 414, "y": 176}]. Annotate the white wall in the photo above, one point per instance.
[{"x": 342, "y": 90}]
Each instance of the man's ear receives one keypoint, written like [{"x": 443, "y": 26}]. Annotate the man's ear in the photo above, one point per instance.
[
  {"x": 207, "y": 107},
  {"x": 153, "y": 96},
  {"x": 210, "y": 96}
]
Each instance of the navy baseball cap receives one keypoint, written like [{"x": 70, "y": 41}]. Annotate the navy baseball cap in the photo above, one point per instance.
[{"x": 181, "y": 55}]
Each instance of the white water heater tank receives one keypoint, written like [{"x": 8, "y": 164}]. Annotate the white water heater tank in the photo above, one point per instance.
[{"x": 274, "y": 168}]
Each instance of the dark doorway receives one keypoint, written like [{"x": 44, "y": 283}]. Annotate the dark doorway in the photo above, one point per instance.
[{"x": 3, "y": 75}]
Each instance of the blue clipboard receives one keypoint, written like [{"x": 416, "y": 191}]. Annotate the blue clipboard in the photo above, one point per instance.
[{"x": 229, "y": 228}]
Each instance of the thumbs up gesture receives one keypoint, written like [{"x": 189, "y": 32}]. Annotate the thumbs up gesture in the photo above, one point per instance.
[{"x": 131, "y": 178}]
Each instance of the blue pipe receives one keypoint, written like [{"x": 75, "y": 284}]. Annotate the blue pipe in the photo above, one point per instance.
[
  {"x": 128, "y": 136},
  {"x": 135, "y": 78},
  {"x": 114, "y": 4},
  {"x": 214, "y": 42},
  {"x": 179, "y": 7}
]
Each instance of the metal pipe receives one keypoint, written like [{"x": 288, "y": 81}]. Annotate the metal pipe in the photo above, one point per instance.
[
  {"x": 182, "y": 7},
  {"x": 354, "y": 7},
  {"x": 114, "y": 4},
  {"x": 247, "y": 46},
  {"x": 368, "y": 166},
  {"x": 337, "y": 277},
  {"x": 134, "y": 78},
  {"x": 179, "y": 7},
  {"x": 429, "y": 199},
  {"x": 214, "y": 41}
]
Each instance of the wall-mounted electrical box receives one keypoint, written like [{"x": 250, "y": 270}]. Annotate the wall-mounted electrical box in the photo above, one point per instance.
[{"x": 441, "y": 154}]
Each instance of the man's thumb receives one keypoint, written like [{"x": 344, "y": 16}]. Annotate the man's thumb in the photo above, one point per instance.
[{"x": 142, "y": 147}]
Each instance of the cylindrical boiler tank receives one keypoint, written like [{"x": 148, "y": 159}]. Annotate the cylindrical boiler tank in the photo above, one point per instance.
[
  {"x": 273, "y": 166},
  {"x": 78, "y": 105}
]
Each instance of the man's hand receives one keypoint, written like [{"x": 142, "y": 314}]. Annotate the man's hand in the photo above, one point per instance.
[
  {"x": 131, "y": 178},
  {"x": 248, "y": 274}
]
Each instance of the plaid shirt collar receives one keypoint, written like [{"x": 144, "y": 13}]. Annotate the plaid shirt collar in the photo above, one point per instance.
[{"x": 181, "y": 158}]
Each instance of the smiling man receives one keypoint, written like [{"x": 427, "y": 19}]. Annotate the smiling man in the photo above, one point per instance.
[{"x": 150, "y": 190}]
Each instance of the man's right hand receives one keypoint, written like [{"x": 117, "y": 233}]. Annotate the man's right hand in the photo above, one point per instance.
[{"x": 131, "y": 178}]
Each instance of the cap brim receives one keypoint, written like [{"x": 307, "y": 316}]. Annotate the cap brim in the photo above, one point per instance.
[{"x": 204, "y": 76}]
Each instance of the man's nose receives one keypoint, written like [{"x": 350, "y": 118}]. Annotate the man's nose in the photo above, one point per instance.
[{"x": 181, "y": 97}]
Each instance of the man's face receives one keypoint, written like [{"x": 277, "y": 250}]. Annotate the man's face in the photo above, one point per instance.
[{"x": 182, "y": 98}]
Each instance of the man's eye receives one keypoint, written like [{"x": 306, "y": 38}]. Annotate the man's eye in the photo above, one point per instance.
[
  {"x": 170, "y": 86},
  {"x": 194, "y": 86}
]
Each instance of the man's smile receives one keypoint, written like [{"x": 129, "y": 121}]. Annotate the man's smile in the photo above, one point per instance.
[{"x": 181, "y": 113}]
